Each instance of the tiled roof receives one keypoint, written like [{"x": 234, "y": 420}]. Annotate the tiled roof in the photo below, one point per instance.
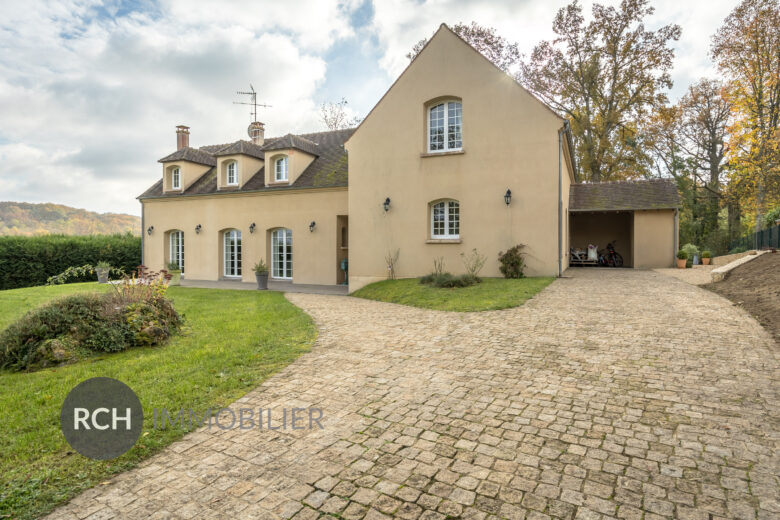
[
  {"x": 293, "y": 141},
  {"x": 327, "y": 170},
  {"x": 192, "y": 155},
  {"x": 241, "y": 147},
  {"x": 624, "y": 195}
]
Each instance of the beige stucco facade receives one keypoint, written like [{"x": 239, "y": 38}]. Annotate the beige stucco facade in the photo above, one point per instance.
[{"x": 510, "y": 141}]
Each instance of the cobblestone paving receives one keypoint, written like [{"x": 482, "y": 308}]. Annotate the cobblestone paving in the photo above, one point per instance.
[{"x": 612, "y": 394}]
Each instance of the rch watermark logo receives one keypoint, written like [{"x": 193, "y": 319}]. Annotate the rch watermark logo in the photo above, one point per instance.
[{"x": 101, "y": 418}]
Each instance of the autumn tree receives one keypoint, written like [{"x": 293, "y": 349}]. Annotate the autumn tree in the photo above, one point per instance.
[
  {"x": 335, "y": 116},
  {"x": 504, "y": 54},
  {"x": 747, "y": 50},
  {"x": 605, "y": 76}
]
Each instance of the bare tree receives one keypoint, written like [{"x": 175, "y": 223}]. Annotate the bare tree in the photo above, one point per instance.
[{"x": 335, "y": 117}]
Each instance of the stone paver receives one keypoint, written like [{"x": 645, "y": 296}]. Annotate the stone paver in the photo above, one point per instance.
[
  {"x": 612, "y": 394},
  {"x": 696, "y": 275}
]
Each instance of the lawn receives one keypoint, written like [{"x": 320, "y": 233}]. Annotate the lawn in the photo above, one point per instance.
[
  {"x": 231, "y": 342},
  {"x": 491, "y": 294}
]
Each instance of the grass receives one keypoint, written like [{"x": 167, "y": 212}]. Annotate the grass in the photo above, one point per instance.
[
  {"x": 231, "y": 342},
  {"x": 491, "y": 294}
]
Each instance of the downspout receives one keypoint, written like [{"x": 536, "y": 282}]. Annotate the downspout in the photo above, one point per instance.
[
  {"x": 676, "y": 233},
  {"x": 142, "y": 233},
  {"x": 560, "y": 199}
]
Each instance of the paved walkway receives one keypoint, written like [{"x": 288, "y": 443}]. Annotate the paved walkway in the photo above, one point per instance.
[{"x": 614, "y": 393}]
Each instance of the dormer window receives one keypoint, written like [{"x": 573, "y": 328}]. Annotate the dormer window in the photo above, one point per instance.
[
  {"x": 280, "y": 169},
  {"x": 232, "y": 174},
  {"x": 445, "y": 127},
  {"x": 175, "y": 179}
]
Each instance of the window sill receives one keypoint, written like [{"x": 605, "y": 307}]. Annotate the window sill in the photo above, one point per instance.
[
  {"x": 443, "y": 241},
  {"x": 447, "y": 152}
]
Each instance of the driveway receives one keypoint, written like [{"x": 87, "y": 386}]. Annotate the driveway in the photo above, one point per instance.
[{"x": 613, "y": 393}]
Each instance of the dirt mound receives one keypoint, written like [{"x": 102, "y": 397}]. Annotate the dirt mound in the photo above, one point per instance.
[{"x": 755, "y": 286}]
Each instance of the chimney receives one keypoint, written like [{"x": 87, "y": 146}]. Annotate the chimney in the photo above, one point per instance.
[
  {"x": 256, "y": 131},
  {"x": 182, "y": 137}
]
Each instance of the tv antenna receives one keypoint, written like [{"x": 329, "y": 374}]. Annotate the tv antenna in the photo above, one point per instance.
[{"x": 253, "y": 101}]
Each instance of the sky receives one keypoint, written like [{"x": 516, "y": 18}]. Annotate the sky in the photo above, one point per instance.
[{"x": 91, "y": 91}]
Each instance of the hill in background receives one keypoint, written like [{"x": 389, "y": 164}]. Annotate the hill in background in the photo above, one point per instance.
[{"x": 23, "y": 218}]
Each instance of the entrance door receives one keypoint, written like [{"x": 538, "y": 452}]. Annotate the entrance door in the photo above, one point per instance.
[
  {"x": 281, "y": 254},
  {"x": 232, "y": 258}
]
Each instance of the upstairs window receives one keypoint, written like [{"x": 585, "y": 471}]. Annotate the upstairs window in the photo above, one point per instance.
[
  {"x": 280, "y": 169},
  {"x": 232, "y": 173},
  {"x": 175, "y": 179},
  {"x": 445, "y": 127},
  {"x": 445, "y": 219}
]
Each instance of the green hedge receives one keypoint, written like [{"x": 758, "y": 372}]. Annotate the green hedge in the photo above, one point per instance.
[{"x": 29, "y": 261}]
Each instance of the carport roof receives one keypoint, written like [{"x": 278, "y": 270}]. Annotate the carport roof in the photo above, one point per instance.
[{"x": 624, "y": 195}]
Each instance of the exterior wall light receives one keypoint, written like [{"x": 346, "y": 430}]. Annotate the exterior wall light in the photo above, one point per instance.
[
  {"x": 311, "y": 226},
  {"x": 198, "y": 228},
  {"x": 508, "y": 197},
  {"x": 386, "y": 204},
  {"x": 252, "y": 227},
  {"x": 149, "y": 230}
]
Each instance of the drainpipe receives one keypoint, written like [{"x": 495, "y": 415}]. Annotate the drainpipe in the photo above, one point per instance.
[
  {"x": 560, "y": 199},
  {"x": 142, "y": 234},
  {"x": 676, "y": 234}
]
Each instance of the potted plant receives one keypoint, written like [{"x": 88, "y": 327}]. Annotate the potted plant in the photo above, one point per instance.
[
  {"x": 102, "y": 269},
  {"x": 261, "y": 274},
  {"x": 175, "y": 271},
  {"x": 705, "y": 257},
  {"x": 682, "y": 259}
]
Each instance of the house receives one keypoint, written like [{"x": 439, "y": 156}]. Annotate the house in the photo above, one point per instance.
[{"x": 456, "y": 156}]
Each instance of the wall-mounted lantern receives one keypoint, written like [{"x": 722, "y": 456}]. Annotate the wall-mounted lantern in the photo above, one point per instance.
[
  {"x": 149, "y": 230},
  {"x": 252, "y": 227},
  {"x": 508, "y": 197},
  {"x": 312, "y": 226},
  {"x": 198, "y": 228},
  {"x": 386, "y": 204}
]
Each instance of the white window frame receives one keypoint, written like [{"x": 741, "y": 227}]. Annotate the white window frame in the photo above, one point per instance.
[
  {"x": 231, "y": 254},
  {"x": 175, "y": 179},
  {"x": 446, "y": 235},
  {"x": 281, "y": 237},
  {"x": 447, "y": 108},
  {"x": 176, "y": 248},
  {"x": 234, "y": 166},
  {"x": 281, "y": 175}
]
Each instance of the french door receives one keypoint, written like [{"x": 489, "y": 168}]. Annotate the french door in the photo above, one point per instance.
[
  {"x": 281, "y": 254},
  {"x": 232, "y": 259},
  {"x": 176, "y": 251}
]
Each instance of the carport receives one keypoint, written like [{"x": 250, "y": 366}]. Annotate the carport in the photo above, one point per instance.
[{"x": 638, "y": 217}]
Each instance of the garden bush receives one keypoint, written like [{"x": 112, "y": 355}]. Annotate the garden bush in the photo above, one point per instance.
[
  {"x": 77, "y": 326},
  {"x": 449, "y": 281},
  {"x": 29, "y": 261},
  {"x": 512, "y": 262}
]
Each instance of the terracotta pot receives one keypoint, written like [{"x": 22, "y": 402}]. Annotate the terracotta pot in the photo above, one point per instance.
[
  {"x": 705, "y": 261},
  {"x": 681, "y": 263}
]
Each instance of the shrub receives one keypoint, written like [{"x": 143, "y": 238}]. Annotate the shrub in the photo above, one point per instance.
[
  {"x": 29, "y": 261},
  {"x": 473, "y": 262},
  {"x": 81, "y": 272},
  {"x": 512, "y": 262},
  {"x": 738, "y": 249},
  {"x": 80, "y": 325},
  {"x": 449, "y": 281},
  {"x": 706, "y": 254},
  {"x": 692, "y": 251},
  {"x": 173, "y": 266},
  {"x": 260, "y": 267},
  {"x": 682, "y": 255}
]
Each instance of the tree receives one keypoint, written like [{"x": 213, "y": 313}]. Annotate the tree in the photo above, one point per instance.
[
  {"x": 335, "y": 117},
  {"x": 504, "y": 54},
  {"x": 747, "y": 50},
  {"x": 604, "y": 76}
]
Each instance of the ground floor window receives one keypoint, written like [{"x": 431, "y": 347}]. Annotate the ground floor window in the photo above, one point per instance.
[
  {"x": 176, "y": 252},
  {"x": 445, "y": 219},
  {"x": 281, "y": 253},
  {"x": 233, "y": 253}
]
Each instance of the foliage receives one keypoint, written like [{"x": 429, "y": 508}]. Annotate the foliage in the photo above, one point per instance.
[
  {"x": 391, "y": 259},
  {"x": 27, "y": 219},
  {"x": 438, "y": 265},
  {"x": 134, "y": 314},
  {"x": 473, "y": 262},
  {"x": 492, "y": 293},
  {"x": 260, "y": 267},
  {"x": 450, "y": 281},
  {"x": 772, "y": 216},
  {"x": 706, "y": 254},
  {"x": 497, "y": 49},
  {"x": 512, "y": 262},
  {"x": 682, "y": 255},
  {"x": 80, "y": 273},
  {"x": 38, "y": 470},
  {"x": 738, "y": 249},
  {"x": 691, "y": 251},
  {"x": 28, "y": 261},
  {"x": 604, "y": 76},
  {"x": 173, "y": 266},
  {"x": 335, "y": 117},
  {"x": 102, "y": 265}
]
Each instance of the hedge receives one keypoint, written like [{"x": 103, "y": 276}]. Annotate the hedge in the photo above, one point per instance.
[{"x": 29, "y": 261}]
